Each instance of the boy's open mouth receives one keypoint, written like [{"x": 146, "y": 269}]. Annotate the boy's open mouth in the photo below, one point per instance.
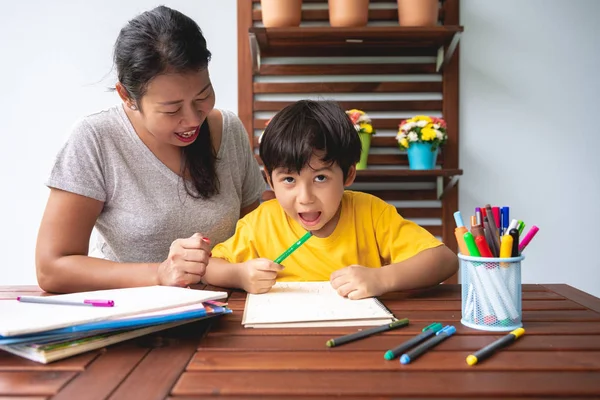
[{"x": 310, "y": 218}]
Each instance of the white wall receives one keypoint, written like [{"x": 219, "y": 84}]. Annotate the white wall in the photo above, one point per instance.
[
  {"x": 529, "y": 90},
  {"x": 529, "y": 138},
  {"x": 55, "y": 67}
]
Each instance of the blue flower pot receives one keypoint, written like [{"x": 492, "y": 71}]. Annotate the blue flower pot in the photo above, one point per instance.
[{"x": 420, "y": 156}]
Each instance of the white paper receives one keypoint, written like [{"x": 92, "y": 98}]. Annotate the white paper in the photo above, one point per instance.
[{"x": 305, "y": 304}]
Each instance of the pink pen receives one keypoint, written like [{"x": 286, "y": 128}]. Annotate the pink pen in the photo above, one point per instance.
[
  {"x": 54, "y": 300},
  {"x": 527, "y": 238}
]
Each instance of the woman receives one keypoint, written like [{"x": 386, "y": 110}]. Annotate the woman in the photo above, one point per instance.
[{"x": 160, "y": 176}]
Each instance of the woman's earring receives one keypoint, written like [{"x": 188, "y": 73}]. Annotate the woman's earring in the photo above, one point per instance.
[{"x": 133, "y": 106}]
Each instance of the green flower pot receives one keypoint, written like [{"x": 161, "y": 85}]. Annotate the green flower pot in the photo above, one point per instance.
[{"x": 365, "y": 141}]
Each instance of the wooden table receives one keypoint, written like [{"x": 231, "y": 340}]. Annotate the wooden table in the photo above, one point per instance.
[{"x": 559, "y": 357}]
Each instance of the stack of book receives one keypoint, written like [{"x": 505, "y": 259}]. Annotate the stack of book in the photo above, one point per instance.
[{"x": 50, "y": 328}]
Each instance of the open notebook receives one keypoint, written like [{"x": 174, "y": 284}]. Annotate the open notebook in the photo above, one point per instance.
[{"x": 310, "y": 304}]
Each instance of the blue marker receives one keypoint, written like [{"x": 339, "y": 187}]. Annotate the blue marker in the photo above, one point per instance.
[
  {"x": 428, "y": 332},
  {"x": 439, "y": 337},
  {"x": 504, "y": 218},
  {"x": 458, "y": 219}
]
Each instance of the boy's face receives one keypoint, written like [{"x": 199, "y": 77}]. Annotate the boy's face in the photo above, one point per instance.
[{"x": 313, "y": 197}]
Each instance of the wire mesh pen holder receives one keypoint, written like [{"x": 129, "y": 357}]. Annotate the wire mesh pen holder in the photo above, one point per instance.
[{"x": 491, "y": 293}]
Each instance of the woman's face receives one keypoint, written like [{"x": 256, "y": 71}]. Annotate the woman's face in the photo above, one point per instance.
[{"x": 174, "y": 107}]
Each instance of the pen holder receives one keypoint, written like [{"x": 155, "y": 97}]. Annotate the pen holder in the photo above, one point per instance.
[{"x": 491, "y": 293}]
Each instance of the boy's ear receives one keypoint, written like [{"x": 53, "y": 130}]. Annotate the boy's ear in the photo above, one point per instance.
[
  {"x": 268, "y": 176},
  {"x": 351, "y": 176}
]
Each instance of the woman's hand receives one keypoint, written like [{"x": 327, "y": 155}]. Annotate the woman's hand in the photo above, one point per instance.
[
  {"x": 186, "y": 263},
  {"x": 259, "y": 275}
]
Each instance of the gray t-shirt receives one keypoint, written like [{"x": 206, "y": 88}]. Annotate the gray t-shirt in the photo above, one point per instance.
[{"x": 146, "y": 206}]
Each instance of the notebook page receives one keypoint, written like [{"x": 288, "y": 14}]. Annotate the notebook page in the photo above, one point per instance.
[
  {"x": 17, "y": 318},
  {"x": 289, "y": 302}
]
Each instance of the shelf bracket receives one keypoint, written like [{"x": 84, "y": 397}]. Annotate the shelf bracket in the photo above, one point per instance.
[
  {"x": 254, "y": 53},
  {"x": 441, "y": 190},
  {"x": 444, "y": 58}
]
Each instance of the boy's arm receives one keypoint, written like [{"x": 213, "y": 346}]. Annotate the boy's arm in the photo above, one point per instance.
[
  {"x": 425, "y": 269},
  {"x": 222, "y": 273},
  {"x": 253, "y": 276}
]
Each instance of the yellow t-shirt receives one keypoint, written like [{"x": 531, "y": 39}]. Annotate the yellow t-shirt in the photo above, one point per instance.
[{"x": 370, "y": 232}]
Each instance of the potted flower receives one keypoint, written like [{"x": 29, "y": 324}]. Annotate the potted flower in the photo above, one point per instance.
[
  {"x": 362, "y": 123},
  {"x": 421, "y": 136}
]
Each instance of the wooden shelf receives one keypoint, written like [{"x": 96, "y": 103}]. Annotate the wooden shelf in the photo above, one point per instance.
[
  {"x": 405, "y": 175},
  {"x": 366, "y": 41}
]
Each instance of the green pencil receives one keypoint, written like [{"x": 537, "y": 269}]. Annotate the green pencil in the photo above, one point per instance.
[{"x": 293, "y": 247}]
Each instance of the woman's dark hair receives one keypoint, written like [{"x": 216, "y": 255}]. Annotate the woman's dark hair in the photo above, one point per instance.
[
  {"x": 156, "y": 42},
  {"x": 296, "y": 132}
]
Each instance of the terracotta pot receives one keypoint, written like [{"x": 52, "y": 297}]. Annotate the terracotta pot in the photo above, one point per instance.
[
  {"x": 418, "y": 12},
  {"x": 348, "y": 13},
  {"x": 281, "y": 13}
]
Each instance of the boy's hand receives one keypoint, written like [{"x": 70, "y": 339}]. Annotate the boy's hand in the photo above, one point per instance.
[
  {"x": 358, "y": 282},
  {"x": 186, "y": 263},
  {"x": 259, "y": 275}
]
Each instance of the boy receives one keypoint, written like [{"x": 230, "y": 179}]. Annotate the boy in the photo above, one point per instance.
[{"x": 358, "y": 242}]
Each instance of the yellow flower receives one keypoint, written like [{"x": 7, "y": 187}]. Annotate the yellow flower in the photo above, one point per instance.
[
  {"x": 366, "y": 128},
  {"x": 428, "y": 134},
  {"x": 404, "y": 143},
  {"x": 422, "y": 118}
]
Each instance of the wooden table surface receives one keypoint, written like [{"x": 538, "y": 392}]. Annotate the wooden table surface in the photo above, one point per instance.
[{"x": 558, "y": 357}]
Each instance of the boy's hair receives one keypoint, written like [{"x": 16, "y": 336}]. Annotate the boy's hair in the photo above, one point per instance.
[{"x": 296, "y": 132}]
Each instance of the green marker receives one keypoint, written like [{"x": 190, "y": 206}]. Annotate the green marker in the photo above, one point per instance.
[
  {"x": 367, "y": 332},
  {"x": 428, "y": 332},
  {"x": 520, "y": 227},
  {"x": 293, "y": 248},
  {"x": 471, "y": 246}
]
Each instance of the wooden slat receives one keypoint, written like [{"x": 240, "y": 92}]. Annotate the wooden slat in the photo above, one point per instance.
[
  {"x": 426, "y": 212},
  {"x": 348, "y": 87},
  {"x": 450, "y": 112},
  {"x": 585, "y": 299},
  {"x": 10, "y": 362},
  {"x": 443, "y": 293},
  {"x": 379, "y": 159},
  {"x": 455, "y": 316},
  {"x": 347, "y": 69},
  {"x": 105, "y": 374},
  {"x": 529, "y": 342},
  {"x": 30, "y": 383},
  {"x": 227, "y": 327},
  {"x": 323, "y": 15},
  {"x": 344, "y": 360},
  {"x": 158, "y": 371},
  {"x": 367, "y": 106},
  {"x": 23, "y": 397},
  {"x": 376, "y": 141},
  {"x": 358, "y": 50},
  {"x": 389, "y": 383},
  {"x": 245, "y": 69},
  {"x": 383, "y": 123}
]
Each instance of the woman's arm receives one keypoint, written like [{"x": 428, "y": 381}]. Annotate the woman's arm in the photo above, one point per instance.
[
  {"x": 63, "y": 266},
  {"x": 62, "y": 263}
]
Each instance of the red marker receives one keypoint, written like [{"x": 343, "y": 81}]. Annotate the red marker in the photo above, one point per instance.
[{"x": 483, "y": 247}]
